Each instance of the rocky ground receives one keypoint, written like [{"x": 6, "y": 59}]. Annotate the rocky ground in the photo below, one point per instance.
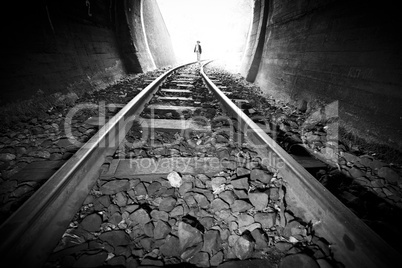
[
  {"x": 369, "y": 185},
  {"x": 198, "y": 220},
  {"x": 36, "y": 139},
  {"x": 239, "y": 213}
]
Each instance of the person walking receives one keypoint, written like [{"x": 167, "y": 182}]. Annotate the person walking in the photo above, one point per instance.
[{"x": 198, "y": 50}]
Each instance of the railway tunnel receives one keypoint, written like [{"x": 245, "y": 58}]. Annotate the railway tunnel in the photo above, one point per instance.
[{"x": 332, "y": 57}]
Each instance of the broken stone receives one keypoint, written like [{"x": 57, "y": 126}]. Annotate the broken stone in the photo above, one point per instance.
[
  {"x": 112, "y": 209},
  {"x": 115, "y": 186},
  {"x": 140, "y": 216},
  {"x": 140, "y": 190},
  {"x": 251, "y": 227},
  {"x": 216, "y": 259},
  {"x": 293, "y": 228},
  {"x": 188, "y": 236},
  {"x": 185, "y": 187},
  {"x": 240, "y": 206},
  {"x": 207, "y": 222},
  {"x": 190, "y": 252},
  {"x": 274, "y": 194},
  {"x": 91, "y": 223},
  {"x": 211, "y": 242},
  {"x": 217, "y": 182},
  {"x": 363, "y": 181},
  {"x": 244, "y": 220},
  {"x": 243, "y": 248},
  {"x": 377, "y": 183},
  {"x": 228, "y": 197},
  {"x": 171, "y": 247},
  {"x": 120, "y": 199},
  {"x": 356, "y": 173},
  {"x": 132, "y": 263},
  {"x": 101, "y": 203},
  {"x": 162, "y": 229},
  {"x": 267, "y": 220},
  {"x": 115, "y": 218},
  {"x": 177, "y": 212},
  {"x": 241, "y": 194},
  {"x": 115, "y": 238},
  {"x": 260, "y": 175},
  {"x": 190, "y": 201},
  {"x": 174, "y": 179},
  {"x": 7, "y": 157},
  {"x": 153, "y": 188},
  {"x": 218, "y": 204},
  {"x": 201, "y": 259},
  {"x": 204, "y": 178},
  {"x": 283, "y": 246},
  {"x": 242, "y": 172},
  {"x": 240, "y": 183},
  {"x": 199, "y": 184},
  {"x": 389, "y": 174},
  {"x": 350, "y": 157},
  {"x": 224, "y": 215},
  {"x": 259, "y": 200},
  {"x": 146, "y": 243},
  {"x": 149, "y": 229},
  {"x": 167, "y": 204},
  {"x": 259, "y": 238},
  {"x": 201, "y": 200}
]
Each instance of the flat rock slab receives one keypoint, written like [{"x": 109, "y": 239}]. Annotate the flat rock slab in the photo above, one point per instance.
[
  {"x": 134, "y": 168},
  {"x": 160, "y": 124},
  {"x": 185, "y": 85},
  {"x": 172, "y": 125},
  {"x": 188, "y": 75},
  {"x": 240, "y": 101},
  {"x": 182, "y": 80},
  {"x": 38, "y": 171},
  {"x": 309, "y": 162},
  {"x": 176, "y": 90},
  {"x": 175, "y": 98},
  {"x": 171, "y": 107}
]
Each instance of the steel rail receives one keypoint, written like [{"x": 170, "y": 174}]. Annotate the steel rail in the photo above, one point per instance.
[
  {"x": 352, "y": 241},
  {"x": 30, "y": 234}
]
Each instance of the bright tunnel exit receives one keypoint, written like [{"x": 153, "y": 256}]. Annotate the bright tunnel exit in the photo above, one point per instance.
[{"x": 221, "y": 26}]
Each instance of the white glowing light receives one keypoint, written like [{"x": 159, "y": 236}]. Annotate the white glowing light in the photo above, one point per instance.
[{"x": 221, "y": 26}]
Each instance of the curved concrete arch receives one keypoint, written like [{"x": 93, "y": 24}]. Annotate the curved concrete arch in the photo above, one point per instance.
[
  {"x": 135, "y": 22},
  {"x": 61, "y": 46},
  {"x": 256, "y": 40}
]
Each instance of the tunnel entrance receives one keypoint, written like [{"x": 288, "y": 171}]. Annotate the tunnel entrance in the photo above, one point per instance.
[{"x": 221, "y": 26}]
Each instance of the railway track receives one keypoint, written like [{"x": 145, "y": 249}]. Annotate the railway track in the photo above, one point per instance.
[{"x": 221, "y": 156}]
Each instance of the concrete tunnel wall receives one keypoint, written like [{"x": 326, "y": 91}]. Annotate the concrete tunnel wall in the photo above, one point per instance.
[
  {"x": 332, "y": 50},
  {"x": 60, "y": 45}
]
